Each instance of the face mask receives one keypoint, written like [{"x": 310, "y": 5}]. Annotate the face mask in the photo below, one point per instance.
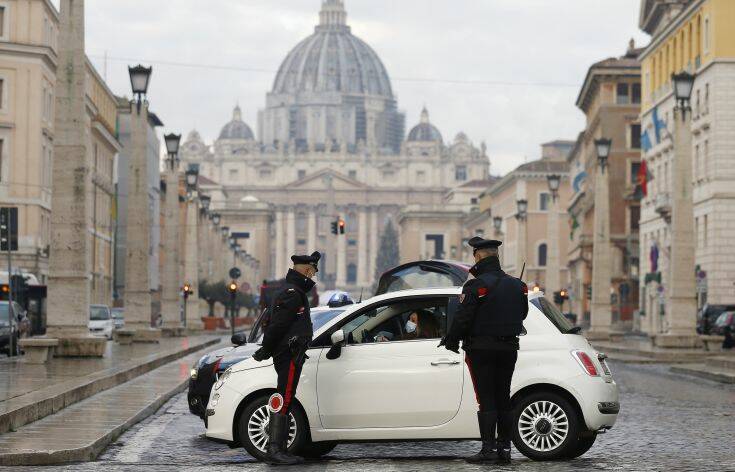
[{"x": 410, "y": 326}]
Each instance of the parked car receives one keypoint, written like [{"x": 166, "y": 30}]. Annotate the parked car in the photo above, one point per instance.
[
  {"x": 355, "y": 388},
  {"x": 100, "y": 321},
  {"x": 15, "y": 327},
  {"x": 118, "y": 317},
  {"x": 423, "y": 274},
  {"x": 725, "y": 320},
  {"x": 707, "y": 316},
  {"x": 205, "y": 371}
]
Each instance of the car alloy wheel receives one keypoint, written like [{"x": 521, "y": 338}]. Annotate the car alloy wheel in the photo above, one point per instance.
[
  {"x": 543, "y": 426},
  {"x": 258, "y": 428}
]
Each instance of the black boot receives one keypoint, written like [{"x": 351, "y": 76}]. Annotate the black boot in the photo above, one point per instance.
[
  {"x": 276, "y": 453},
  {"x": 505, "y": 433},
  {"x": 487, "y": 421}
]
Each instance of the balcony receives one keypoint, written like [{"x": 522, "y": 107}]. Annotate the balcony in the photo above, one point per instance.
[{"x": 663, "y": 205}]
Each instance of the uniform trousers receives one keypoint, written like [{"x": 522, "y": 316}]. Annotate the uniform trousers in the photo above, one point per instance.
[
  {"x": 288, "y": 371},
  {"x": 492, "y": 372}
]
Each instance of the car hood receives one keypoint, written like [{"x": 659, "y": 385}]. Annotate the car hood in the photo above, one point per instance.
[{"x": 229, "y": 355}]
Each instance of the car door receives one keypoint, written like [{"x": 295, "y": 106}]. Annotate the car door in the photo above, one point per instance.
[{"x": 400, "y": 382}]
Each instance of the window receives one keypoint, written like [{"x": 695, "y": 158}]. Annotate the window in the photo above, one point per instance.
[
  {"x": 635, "y": 168},
  {"x": 636, "y": 88},
  {"x": 706, "y": 99},
  {"x": 421, "y": 176},
  {"x": 352, "y": 174},
  {"x": 265, "y": 173},
  {"x": 2, "y": 91},
  {"x": 352, "y": 242},
  {"x": 388, "y": 323},
  {"x": 706, "y": 35},
  {"x": 473, "y": 201},
  {"x": 622, "y": 96},
  {"x": 543, "y": 201},
  {"x": 542, "y": 250},
  {"x": 2, "y": 21},
  {"x": 389, "y": 174},
  {"x": 302, "y": 174},
  {"x": 635, "y": 136},
  {"x": 635, "y": 218},
  {"x": 2, "y": 148},
  {"x": 301, "y": 242},
  {"x": 233, "y": 174},
  {"x": 460, "y": 173},
  {"x": 351, "y": 273}
]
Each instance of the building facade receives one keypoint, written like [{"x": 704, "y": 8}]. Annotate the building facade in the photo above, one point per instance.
[
  {"x": 694, "y": 36},
  {"x": 332, "y": 145},
  {"x": 610, "y": 99}
]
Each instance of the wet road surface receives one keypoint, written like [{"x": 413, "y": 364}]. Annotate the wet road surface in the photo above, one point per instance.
[{"x": 667, "y": 422}]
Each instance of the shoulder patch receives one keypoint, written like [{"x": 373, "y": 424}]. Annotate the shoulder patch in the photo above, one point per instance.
[
  {"x": 482, "y": 292},
  {"x": 291, "y": 290}
]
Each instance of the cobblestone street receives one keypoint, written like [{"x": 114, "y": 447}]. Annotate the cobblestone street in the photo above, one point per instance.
[{"x": 668, "y": 422}]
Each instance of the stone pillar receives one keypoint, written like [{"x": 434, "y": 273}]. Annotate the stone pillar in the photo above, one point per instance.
[
  {"x": 552, "y": 248},
  {"x": 138, "y": 230},
  {"x": 600, "y": 311},
  {"x": 521, "y": 247},
  {"x": 374, "y": 233},
  {"x": 681, "y": 304},
  {"x": 170, "y": 300},
  {"x": 278, "y": 270},
  {"x": 311, "y": 237},
  {"x": 71, "y": 240},
  {"x": 290, "y": 234},
  {"x": 341, "y": 279},
  {"x": 191, "y": 261},
  {"x": 362, "y": 246}
]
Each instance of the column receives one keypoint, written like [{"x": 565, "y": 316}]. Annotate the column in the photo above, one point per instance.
[
  {"x": 521, "y": 258},
  {"x": 280, "y": 247},
  {"x": 681, "y": 304},
  {"x": 311, "y": 236},
  {"x": 552, "y": 248},
  {"x": 70, "y": 258},
  {"x": 374, "y": 232},
  {"x": 341, "y": 278},
  {"x": 362, "y": 246},
  {"x": 170, "y": 301},
  {"x": 191, "y": 259},
  {"x": 290, "y": 236},
  {"x": 600, "y": 312}
]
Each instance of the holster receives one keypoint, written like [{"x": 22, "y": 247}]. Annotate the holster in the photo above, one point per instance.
[{"x": 298, "y": 346}]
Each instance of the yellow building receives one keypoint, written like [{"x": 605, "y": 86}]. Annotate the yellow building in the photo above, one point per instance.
[{"x": 695, "y": 36}]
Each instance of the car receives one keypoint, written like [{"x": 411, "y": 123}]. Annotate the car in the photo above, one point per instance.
[
  {"x": 12, "y": 327},
  {"x": 707, "y": 316},
  {"x": 204, "y": 372},
  {"x": 354, "y": 388},
  {"x": 118, "y": 317},
  {"x": 100, "y": 321},
  {"x": 725, "y": 320}
]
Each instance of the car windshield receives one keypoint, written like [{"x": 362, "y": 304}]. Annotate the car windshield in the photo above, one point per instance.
[
  {"x": 4, "y": 312},
  {"x": 553, "y": 314},
  {"x": 99, "y": 313},
  {"x": 318, "y": 319}
]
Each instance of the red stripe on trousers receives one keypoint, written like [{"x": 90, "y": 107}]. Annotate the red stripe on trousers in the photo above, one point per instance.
[
  {"x": 472, "y": 376},
  {"x": 289, "y": 388}
]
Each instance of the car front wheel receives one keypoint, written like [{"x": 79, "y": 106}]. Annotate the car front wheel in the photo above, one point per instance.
[
  {"x": 547, "y": 427},
  {"x": 253, "y": 428}
]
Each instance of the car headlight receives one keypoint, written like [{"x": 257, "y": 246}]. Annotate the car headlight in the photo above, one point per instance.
[
  {"x": 221, "y": 381},
  {"x": 194, "y": 373},
  {"x": 215, "y": 400}
]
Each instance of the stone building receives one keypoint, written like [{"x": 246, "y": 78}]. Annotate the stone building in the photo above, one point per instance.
[
  {"x": 533, "y": 241},
  {"x": 332, "y": 145},
  {"x": 610, "y": 99},
  {"x": 695, "y": 36}
]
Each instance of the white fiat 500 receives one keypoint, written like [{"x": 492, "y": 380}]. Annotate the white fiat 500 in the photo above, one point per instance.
[{"x": 367, "y": 380}]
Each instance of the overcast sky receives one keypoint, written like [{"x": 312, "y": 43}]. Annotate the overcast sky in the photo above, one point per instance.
[{"x": 525, "y": 59}]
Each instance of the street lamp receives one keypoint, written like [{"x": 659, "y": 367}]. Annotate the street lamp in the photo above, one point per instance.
[
  {"x": 683, "y": 85},
  {"x": 216, "y": 217},
  {"x": 192, "y": 177},
  {"x": 172, "y": 148},
  {"x": 206, "y": 200},
  {"x": 554, "y": 180},
  {"x": 522, "y": 209},
  {"x": 603, "y": 146},
  {"x": 225, "y": 230},
  {"x": 139, "y": 79},
  {"x": 497, "y": 223}
]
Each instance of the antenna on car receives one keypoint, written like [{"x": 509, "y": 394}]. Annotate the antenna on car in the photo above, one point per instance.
[
  {"x": 522, "y": 270},
  {"x": 360, "y": 300}
]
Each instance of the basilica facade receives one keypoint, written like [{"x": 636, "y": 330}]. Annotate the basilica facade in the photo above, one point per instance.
[{"x": 331, "y": 144}]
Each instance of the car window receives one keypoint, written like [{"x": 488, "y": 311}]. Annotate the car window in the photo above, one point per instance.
[
  {"x": 553, "y": 314},
  {"x": 99, "y": 313},
  {"x": 400, "y": 320},
  {"x": 318, "y": 319},
  {"x": 417, "y": 277}
]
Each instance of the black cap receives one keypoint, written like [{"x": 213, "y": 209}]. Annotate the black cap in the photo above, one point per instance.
[
  {"x": 480, "y": 243},
  {"x": 312, "y": 260}
]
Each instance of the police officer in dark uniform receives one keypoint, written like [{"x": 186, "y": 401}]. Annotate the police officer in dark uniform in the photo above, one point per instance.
[
  {"x": 286, "y": 338},
  {"x": 489, "y": 320}
]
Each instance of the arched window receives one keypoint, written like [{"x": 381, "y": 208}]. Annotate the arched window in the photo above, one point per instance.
[
  {"x": 542, "y": 255},
  {"x": 351, "y": 273}
]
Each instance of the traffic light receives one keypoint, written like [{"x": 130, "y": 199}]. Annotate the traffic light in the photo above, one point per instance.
[
  {"x": 9, "y": 228},
  {"x": 557, "y": 298},
  {"x": 564, "y": 295},
  {"x": 589, "y": 292},
  {"x": 335, "y": 227},
  {"x": 341, "y": 223},
  {"x": 188, "y": 291},
  {"x": 338, "y": 226},
  {"x": 232, "y": 287}
]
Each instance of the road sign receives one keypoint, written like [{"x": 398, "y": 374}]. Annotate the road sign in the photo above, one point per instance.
[{"x": 235, "y": 273}]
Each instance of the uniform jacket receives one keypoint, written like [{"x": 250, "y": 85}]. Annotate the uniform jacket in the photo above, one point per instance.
[
  {"x": 492, "y": 308},
  {"x": 291, "y": 316}
]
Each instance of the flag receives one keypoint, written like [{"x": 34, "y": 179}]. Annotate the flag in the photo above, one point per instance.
[
  {"x": 575, "y": 225},
  {"x": 646, "y": 141},
  {"x": 658, "y": 125},
  {"x": 642, "y": 179}
]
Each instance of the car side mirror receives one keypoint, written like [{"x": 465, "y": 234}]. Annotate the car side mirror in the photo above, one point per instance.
[
  {"x": 239, "y": 339},
  {"x": 337, "y": 338}
]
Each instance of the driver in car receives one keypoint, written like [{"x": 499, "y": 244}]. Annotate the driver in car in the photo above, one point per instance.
[{"x": 489, "y": 320}]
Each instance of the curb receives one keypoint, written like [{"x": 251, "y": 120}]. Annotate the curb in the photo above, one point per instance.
[
  {"x": 717, "y": 376},
  {"x": 91, "y": 451},
  {"x": 97, "y": 382}
]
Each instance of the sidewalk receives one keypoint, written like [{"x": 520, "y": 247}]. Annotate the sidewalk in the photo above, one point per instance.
[
  {"x": 80, "y": 432},
  {"x": 29, "y": 392},
  {"x": 639, "y": 349},
  {"x": 720, "y": 368}
]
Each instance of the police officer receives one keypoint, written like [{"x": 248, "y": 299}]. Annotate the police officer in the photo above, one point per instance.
[
  {"x": 489, "y": 320},
  {"x": 286, "y": 338}
]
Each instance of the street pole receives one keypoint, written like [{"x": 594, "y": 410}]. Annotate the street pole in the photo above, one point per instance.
[{"x": 9, "y": 232}]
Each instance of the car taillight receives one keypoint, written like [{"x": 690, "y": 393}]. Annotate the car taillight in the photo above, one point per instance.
[{"x": 586, "y": 363}]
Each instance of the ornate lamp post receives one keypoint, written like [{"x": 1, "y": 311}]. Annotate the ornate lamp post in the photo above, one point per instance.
[
  {"x": 552, "y": 235},
  {"x": 680, "y": 295},
  {"x": 600, "y": 312},
  {"x": 603, "y": 146},
  {"x": 191, "y": 252},
  {"x": 140, "y": 78},
  {"x": 170, "y": 300},
  {"x": 521, "y": 216}
]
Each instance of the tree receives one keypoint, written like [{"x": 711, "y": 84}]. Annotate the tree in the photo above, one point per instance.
[{"x": 388, "y": 254}]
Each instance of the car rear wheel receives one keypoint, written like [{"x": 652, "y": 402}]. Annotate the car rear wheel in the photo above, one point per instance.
[
  {"x": 253, "y": 428},
  {"x": 547, "y": 427}
]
